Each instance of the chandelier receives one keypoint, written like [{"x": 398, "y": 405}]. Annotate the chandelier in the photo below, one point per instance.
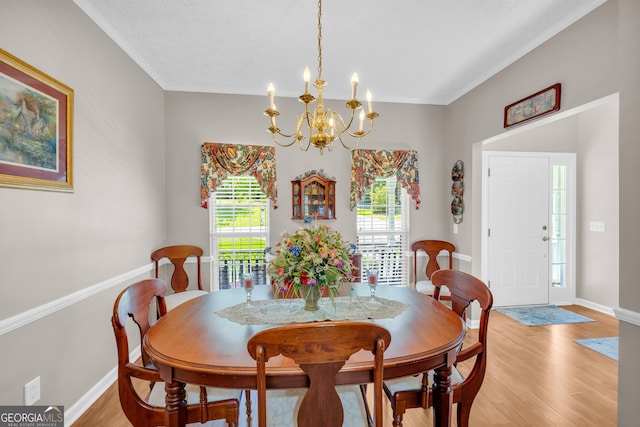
[{"x": 322, "y": 125}]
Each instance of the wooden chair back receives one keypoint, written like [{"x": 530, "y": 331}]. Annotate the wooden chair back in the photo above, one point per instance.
[
  {"x": 432, "y": 248},
  {"x": 320, "y": 349},
  {"x": 178, "y": 255},
  {"x": 464, "y": 289},
  {"x": 135, "y": 303}
]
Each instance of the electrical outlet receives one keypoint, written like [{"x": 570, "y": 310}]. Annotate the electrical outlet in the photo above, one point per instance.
[{"x": 32, "y": 391}]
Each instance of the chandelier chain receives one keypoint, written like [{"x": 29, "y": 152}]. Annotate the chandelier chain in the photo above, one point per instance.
[{"x": 319, "y": 39}]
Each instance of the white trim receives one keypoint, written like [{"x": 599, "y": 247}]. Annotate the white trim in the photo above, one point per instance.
[
  {"x": 594, "y": 306},
  {"x": 21, "y": 319},
  {"x": 462, "y": 257},
  {"x": 456, "y": 255},
  {"x": 76, "y": 410},
  {"x": 473, "y": 324},
  {"x": 627, "y": 316}
]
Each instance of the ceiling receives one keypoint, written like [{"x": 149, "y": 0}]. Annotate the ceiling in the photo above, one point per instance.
[{"x": 409, "y": 51}]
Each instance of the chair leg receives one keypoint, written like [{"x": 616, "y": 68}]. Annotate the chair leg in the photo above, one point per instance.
[
  {"x": 398, "y": 407},
  {"x": 363, "y": 392},
  {"x": 247, "y": 394},
  {"x": 233, "y": 417},
  {"x": 463, "y": 413}
]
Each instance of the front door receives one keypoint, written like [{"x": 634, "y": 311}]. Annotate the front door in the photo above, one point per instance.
[{"x": 518, "y": 232}]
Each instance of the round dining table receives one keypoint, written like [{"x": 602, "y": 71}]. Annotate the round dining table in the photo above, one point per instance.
[{"x": 193, "y": 344}]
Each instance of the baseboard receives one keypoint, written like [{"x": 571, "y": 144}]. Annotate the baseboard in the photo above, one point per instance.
[
  {"x": 627, "y": 316},
  {"x": 473, "y": 324},
  {"x": 594, "y": 306},
  {"x": 74, "y": 412}
]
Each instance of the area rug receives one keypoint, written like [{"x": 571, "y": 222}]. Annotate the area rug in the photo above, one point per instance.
[
  {"x": 540, "y": 315},
  {"x": 607, "y": 346}
]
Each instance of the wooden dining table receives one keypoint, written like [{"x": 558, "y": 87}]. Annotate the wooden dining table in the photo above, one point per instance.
[{"x": 193, "y": 344}]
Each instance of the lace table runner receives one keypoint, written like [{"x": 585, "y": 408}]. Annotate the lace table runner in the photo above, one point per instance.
[{"x": 291, "y": 310}]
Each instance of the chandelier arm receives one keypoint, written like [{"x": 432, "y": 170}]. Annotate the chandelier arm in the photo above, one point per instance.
[
  {"x": 339, "y": 118},
  {"x": 345, "y": 145},
  {"x": 301, "y": 146},
  {"x": 360, "y": 134},
  {"x": 296, "y": 134},
  {"x": 307, "y": 117},
  {"x": 284, "y": 145}
]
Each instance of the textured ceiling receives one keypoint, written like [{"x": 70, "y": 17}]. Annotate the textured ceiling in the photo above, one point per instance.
[{"x": 409, "y": 51}]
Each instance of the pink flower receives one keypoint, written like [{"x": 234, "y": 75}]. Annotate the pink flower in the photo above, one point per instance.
[{"x": 280, "y": 271}]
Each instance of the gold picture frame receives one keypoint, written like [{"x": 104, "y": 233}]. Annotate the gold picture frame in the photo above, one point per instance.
[{"x": 36, "y": 128}]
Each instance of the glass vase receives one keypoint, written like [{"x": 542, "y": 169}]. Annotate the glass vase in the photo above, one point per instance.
[{"x": 311, "y": 296}]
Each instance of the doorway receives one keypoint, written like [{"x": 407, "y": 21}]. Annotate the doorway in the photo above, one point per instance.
[{"x": 528, "y": 227}]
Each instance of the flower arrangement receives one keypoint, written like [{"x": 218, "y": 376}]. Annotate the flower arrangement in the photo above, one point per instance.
[{"x": 312, "y": 256}]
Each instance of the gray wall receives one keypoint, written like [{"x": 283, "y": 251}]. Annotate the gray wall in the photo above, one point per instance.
[
  {"x": 192, "y": 119},
  {"x": 629, "y": 72},
  {"x": 596, "y": 57},
  {"x": 591, "y": 132},
  {"x": 598, "y": 200},
  {"x": 55, "y": 245},
  {"x": 583, "y": 58}
]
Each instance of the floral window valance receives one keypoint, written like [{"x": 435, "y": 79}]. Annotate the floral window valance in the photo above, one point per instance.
[
  {"x": 367, "y": 165},
  {"x": 222, "y": 160}
]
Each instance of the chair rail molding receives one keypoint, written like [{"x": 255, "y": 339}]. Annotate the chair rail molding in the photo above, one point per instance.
[
  {"x": 21, "y": 319},
  {"x": 456, "y": 255}
]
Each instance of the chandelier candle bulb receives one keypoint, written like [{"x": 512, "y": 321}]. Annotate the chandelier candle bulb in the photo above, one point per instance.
[
  {"x": 272, "y": 92},
  {"x": 369, "y": 101},
  {"x": 307, "y": 78},
  {"x": 361, "y": 125},
  {"x": 354, "y": 85}
]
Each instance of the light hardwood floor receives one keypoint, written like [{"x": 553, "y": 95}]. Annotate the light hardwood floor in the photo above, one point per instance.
[{"x": 536, "y": 376}]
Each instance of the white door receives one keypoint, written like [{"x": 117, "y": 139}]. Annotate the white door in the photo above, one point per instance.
[{"x": 517, "y": 256}]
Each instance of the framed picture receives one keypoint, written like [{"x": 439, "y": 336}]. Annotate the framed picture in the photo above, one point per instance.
[
  {"x": 536, "y": 105},
  {"x": 36, "y": 124}
]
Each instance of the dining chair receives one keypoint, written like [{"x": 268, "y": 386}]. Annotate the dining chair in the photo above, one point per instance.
[
  {"x": 416, "y": 391},
  {"x": 203, "y": 403},
  {"x": 432, "y": 248},
  {"x": 320, "y": 349},
  {"x": 178, "y": 255}
]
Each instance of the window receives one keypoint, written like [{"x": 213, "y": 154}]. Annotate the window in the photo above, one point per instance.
[
  {"x": 559, "y": 227},
  {"x": 239, "y": 228},
  {"x": 383, "y": 231}
]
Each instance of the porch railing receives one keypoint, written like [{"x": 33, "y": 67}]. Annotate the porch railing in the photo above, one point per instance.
[{"x": 233, "y": 264}]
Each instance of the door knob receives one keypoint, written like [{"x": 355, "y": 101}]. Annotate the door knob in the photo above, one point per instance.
[{"x": 545, "y": 238}]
